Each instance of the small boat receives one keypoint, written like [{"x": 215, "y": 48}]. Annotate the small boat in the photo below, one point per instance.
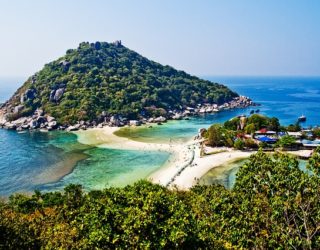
[
  {"x": 302, "y": 118},
  {"x": 258, "y": 110}
]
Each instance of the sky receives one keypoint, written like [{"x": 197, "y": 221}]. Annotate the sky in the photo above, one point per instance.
[{"x": 202, "y": 37}]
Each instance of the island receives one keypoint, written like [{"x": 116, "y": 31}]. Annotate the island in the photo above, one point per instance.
[{"x": 109, "y": 84}]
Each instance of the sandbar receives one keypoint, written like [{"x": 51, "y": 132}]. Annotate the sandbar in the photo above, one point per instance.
[{"x": 184, "y": 167}]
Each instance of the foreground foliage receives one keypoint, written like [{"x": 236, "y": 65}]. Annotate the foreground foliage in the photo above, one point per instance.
[{"x": 272, "y": 205}]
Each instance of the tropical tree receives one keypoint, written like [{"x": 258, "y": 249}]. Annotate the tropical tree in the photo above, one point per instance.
[
  {"x": 286, "y": 141},
  {"x": 239, "y": 144}
]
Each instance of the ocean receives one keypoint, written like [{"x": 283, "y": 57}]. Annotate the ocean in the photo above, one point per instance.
[{"x": 49, "y": 161}]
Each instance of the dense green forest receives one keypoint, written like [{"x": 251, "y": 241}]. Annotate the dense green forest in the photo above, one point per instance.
[
  {"x": 273, "y": 205},
  {"x": 109, "y": 77}
]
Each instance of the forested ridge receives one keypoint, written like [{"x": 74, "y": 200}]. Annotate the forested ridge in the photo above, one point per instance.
[
  {"x": 111, "y": 79},
  {"x": 273, "y": 205}
]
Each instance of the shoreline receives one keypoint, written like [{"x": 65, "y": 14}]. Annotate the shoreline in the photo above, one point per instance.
[
  {"x": 183, "y": 168},
  {"x": 41, "y": 120}
]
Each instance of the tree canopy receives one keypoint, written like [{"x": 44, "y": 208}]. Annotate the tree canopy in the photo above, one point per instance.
[{"x": 273, "y": 205}]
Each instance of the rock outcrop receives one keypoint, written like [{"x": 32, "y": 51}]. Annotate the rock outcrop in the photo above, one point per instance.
[
  {"x": 29, "y": 94},
  {"x": 56, "y": 95}
]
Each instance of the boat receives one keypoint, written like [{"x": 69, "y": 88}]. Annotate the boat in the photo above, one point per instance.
[
  {"x": 258, "y": 110},
  {"x": 302, "y": 118}
]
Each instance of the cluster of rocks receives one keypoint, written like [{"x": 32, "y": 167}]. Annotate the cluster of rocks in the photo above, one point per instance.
[
  {"x": 37, "y": 121},
  {"x": 119, "y": 121},
  {"x": 237, "y": 102}
]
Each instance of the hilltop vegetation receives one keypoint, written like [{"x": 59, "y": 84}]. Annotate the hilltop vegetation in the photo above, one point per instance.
[
  {"x": 108, "y": 78},
  {"x": 273, "y": 205}
]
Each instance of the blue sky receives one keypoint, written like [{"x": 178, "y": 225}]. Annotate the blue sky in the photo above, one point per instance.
[{"x": 204, "y": 37}]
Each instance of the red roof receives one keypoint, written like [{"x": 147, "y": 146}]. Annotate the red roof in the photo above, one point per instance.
[{"x": 263, "y": 130}]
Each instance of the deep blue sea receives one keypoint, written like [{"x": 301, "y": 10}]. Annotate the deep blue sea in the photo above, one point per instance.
[
  {"x": 282, "y": 97},
  {"x": 49, "y": 161}
]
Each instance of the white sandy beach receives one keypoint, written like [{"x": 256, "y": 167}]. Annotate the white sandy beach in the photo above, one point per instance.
[
  {"x": 181, "y": 170},
  {"x": 201, "y": 165}
]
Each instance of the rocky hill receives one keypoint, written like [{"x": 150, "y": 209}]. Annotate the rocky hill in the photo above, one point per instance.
[{"x": 103, "y": 79}]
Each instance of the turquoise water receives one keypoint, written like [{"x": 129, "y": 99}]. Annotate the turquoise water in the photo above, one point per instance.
[
  {"x": 226, "y": 174},
  {"x": 223, "y": 175},
  {"x": 26, "y": 156},
  {"x": 109, "y": 167},
  {"x": 178, "y": 131},
  {"x": 43, "y": 160}
]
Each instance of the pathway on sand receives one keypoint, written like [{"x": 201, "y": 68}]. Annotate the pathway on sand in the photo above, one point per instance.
[{"x": 201, "y": 165}]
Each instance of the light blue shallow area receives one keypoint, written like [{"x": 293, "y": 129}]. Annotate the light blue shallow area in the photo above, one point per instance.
[
  {"x": 110, "y": 167},
  {"x": 40, "y": 161}
]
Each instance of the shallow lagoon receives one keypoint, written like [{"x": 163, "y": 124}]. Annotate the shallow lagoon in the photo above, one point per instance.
[
  {"x": 49, "y": 161},
  {"x": 226, "y": 174}
]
